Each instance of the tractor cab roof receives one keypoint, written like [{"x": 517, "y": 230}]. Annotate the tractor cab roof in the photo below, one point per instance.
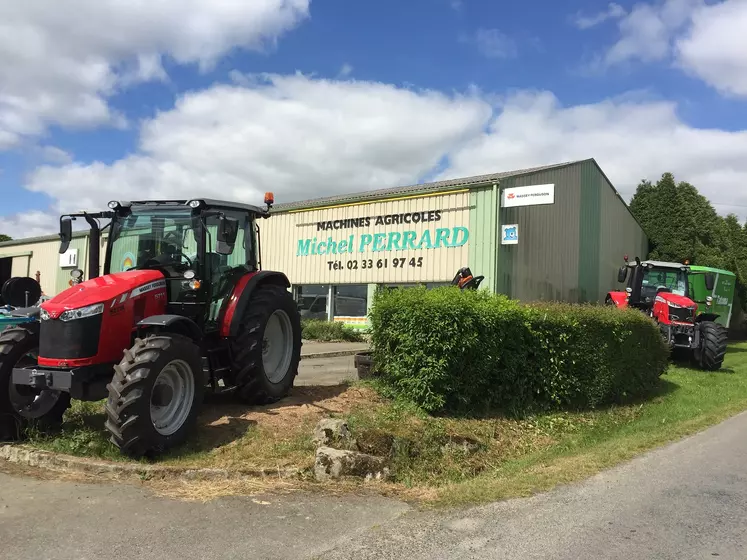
[
  {"x": 662, "y": 264},
  {"x": 207, "y": 203}
]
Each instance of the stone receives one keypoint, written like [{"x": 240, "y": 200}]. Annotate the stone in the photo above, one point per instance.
[
  {"x": 333, "y": 432},
  {"x": 334, "y": 463},
  {"x": 463, "y": 445}
]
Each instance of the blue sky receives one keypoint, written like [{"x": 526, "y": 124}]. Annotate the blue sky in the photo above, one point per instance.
[{"x": 643, "y": 87}]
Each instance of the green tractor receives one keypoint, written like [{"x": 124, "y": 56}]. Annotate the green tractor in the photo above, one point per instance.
[{"x": 721, "y": 300}]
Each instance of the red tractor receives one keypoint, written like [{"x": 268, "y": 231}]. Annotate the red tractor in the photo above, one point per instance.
[
  {"x": 662, "y": 290},
  {"x": 182, "y": 305}
]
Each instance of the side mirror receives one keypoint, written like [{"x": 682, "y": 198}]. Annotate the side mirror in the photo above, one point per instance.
[
  {"x": 622, "y": 274},
  {"x": 710, "y": 281},
  {"x": 66, "y": 234},
  {"x": 228, "y": 229}
]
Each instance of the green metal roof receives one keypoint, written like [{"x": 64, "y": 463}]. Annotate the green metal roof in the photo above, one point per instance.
[{"x": 710, "y": 269}]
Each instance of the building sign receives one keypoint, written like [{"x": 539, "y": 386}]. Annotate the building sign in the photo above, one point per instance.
[
  {"x": 510, "y": 234},
  {"x": 394, "y": 241},
  {"x": 528, "y": 196},
  {"x": 417, "y": 239},
  {"x": 69, "y": 259}
]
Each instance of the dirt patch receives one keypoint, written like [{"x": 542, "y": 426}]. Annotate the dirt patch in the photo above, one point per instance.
[{"x": 303, "y": 404}]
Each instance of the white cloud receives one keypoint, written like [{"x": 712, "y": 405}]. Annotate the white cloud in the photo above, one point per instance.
[
  {"x": 613, "y": 11},
  {"x": 631, "y": 138},
  {"x": 59, "y": 61},
  {"x": 346, "y": 70},
  {"x": 492, "y": 43},
  {"x": 715, "y": 48},
  {"x": 647, "y": 31},
  {"x": 304, "y": 138},
  {"x": 706, "y": 40},
  {"x": 29, "y": 224},
  {"x": 53, "y": 154},
  {"x": 297, "y": 136}
]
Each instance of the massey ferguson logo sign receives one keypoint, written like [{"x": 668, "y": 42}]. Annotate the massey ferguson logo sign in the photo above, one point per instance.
[{"x": 528, "y": 196}]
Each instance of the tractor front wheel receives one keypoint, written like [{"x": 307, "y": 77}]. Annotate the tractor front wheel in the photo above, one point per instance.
[
  {"x": 713, "y": 340},
  {"x": 155, "y": 395},
  {"x": 267, "y": 349},
  {"x": 21, "y": 406}
]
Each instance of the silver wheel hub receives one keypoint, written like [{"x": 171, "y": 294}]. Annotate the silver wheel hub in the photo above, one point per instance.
[
  {"x": 172, "y": 396},
  {"x": 28, "y": 402},
  {"x": 277, "y": 346}
]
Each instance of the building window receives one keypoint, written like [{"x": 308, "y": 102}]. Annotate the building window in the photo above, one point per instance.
[
  {"x": 312, "y": 301},
  {"x": 351, "y": 300}
]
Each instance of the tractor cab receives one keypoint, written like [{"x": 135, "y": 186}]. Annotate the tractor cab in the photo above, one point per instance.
[{"x": 663, "y": 291}]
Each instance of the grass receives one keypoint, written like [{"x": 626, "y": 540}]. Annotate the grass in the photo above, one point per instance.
[
  {"x": 445, "y": 461},
  {"x": 329, "y": 331}
]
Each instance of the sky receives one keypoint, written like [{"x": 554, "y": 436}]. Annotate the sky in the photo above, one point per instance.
[{"x": 113, "y": 99}]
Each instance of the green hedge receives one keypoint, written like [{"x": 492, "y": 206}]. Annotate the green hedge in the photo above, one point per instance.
[
  {"x": 326, "y": 331},
  {"x": 470, "y": 351}
]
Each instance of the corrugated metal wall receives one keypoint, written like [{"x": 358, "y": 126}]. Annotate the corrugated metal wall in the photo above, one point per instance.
[
  {"x": 62, "y": 275},
  {"x": 619, "y": 235},
  {"x": 544, "y": 265},
  {"x": 483, "y": 217},
  {"x": 590, "y": 226},
  {"x": 44, "y": 258},
  {"x": 281, "y": 233}
]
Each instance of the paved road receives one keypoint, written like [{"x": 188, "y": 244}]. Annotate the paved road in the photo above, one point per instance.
[
  {"x": 682, "y": 502},
  {"x": 326, "y": 371}
]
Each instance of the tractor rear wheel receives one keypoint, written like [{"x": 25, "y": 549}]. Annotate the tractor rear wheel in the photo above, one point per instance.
[
  {"x": 267, "y": 349},
  {"x": 713, "y": 340},
  {"x": 155, "y": 395},
  {"x": 21, "y": 406}
]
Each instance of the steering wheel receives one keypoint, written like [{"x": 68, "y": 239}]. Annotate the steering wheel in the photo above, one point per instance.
[{"x": 174, "y": 237}]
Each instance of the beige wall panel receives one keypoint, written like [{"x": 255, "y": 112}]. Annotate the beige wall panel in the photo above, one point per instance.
[
  {"x": 280, "y": 236},
  {"x": 44, "y": 258}
]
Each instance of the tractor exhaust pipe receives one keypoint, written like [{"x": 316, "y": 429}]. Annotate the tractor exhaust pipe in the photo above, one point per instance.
[{"x": 94, "y": 248}]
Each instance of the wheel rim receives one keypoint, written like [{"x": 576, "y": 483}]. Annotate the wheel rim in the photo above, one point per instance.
[
  {"x": 277, "y": 346},
  {"x": 171, "y": 397},
  {"x": 28, "y": 402}
]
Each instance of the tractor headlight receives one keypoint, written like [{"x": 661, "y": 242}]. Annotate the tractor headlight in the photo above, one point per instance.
[
  {"x": 72, "y": 314},
  {"x": 44, "y": 314}
]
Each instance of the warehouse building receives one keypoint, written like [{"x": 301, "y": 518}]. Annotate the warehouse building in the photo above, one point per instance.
[{"x": 557, "y": 232}]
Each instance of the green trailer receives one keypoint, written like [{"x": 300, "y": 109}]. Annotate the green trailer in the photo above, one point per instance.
[{"x": 722, "y": 293}]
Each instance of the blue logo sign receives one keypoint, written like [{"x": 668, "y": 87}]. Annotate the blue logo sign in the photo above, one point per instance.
[{"x": 510, "y": 234}]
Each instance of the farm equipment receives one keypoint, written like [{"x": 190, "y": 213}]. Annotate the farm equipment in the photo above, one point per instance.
[
  {"x": 182, "y": 306},
  {"x": 465, "y": 281},
  {"x": 663, "y": 290}
]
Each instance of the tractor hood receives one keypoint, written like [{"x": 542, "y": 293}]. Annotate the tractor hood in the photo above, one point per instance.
[
  {"x": 101, "y": 289},
  {"x": 674, "y": 299}
]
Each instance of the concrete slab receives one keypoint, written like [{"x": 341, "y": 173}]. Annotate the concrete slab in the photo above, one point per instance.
[{"x": 326, "y": 371}]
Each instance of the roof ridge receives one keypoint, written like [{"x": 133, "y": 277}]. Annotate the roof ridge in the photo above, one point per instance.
[{"x": 434, "y": 185}]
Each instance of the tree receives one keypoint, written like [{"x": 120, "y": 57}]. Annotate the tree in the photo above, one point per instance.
[
  {"x": 683, "y": 225},
  {"x": 4, "y": 237}
]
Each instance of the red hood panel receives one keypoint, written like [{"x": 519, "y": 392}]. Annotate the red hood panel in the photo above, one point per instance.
[
  {"x": 682, "y": 301},
  {"x": 100, "y": 289}
]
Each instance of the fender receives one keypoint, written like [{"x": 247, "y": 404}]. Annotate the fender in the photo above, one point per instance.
[
  {"x": 620, "y": 299},
  {"x": 706, "y": 317},
  {"x": 242, "y": 294},
  {"x": 177, "y": 324}
]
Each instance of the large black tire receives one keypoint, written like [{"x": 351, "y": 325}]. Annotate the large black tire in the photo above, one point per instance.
[
  {"x": 136, "y": 401},
  {"x": 21, "y": 407},
  {"x": 713, "y": 340},
  {"x": 257, "y": 381}
]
